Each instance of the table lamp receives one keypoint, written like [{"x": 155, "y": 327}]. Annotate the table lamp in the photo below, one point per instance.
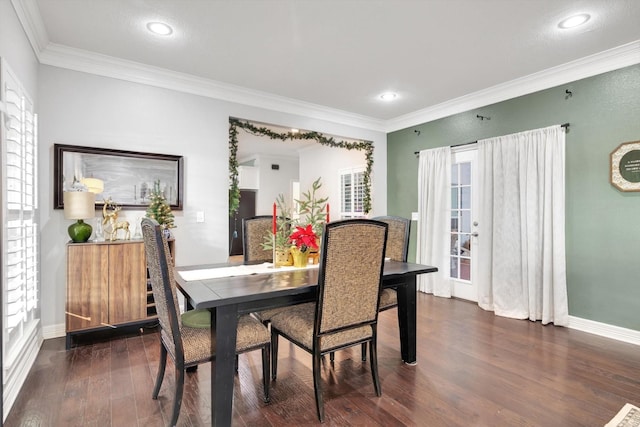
[
  {"x": 79, "y": 205},
  {"x": 94, "y": 185}
]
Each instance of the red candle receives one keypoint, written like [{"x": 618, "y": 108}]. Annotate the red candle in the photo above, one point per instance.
[
  {"x": 327, "y": 212},
  {"x": 274, "y": 218}
]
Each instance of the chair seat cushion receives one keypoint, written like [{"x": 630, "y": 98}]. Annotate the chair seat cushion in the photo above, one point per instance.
[
  {"x": 197, "y": 341},
  {"x": 297, "y": 322},
  {"x": 197, "y": 318},
  {"x": 266, "y": 315},
  {"x": 388, "y": 298}
]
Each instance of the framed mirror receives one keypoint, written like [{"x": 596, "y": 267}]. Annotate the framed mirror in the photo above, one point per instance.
[{"x": 128, "y": 176}]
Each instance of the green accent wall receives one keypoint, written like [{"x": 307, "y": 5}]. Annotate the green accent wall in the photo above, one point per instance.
[{"x": 602, "y": 223}]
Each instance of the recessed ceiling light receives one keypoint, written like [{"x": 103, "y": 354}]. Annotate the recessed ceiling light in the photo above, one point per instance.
[
  {"x": 574, "y": 21},
  {"x": 388, "y": 96},
  {"x": 159, "y": 28}
]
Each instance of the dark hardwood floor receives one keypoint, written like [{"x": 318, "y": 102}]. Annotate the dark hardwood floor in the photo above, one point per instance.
[{"x": 474, "y": 369}]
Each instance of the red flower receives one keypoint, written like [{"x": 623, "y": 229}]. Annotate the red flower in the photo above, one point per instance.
[{"x": 304, "y": 237}]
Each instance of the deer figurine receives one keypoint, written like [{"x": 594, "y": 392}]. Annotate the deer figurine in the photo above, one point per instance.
[{"x": 110, "y": 215}]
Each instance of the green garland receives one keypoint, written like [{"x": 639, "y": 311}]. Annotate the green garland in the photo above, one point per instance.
[{"x": 234, "y": 124}]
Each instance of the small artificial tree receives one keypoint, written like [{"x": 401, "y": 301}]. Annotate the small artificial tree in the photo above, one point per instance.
[
  {"x": 159, "y": 208},
  {"x": 313, "y": 209},
  {"x": 283, "y": 227}
]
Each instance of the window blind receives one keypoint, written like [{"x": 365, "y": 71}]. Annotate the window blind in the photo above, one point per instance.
[
  {"x": 352, "y": 193},
  {"x": 20, "y": 228}
]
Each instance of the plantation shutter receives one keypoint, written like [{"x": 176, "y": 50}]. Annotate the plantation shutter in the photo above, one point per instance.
[
  {"x": 352, "y": 193},
  {"x": 20, "y": 235}
]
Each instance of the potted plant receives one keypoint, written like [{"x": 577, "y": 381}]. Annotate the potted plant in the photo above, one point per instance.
[
  {"x": 304, "y": 240},
  {"x": 160, "y": 210},
  {"x": 313, "y": 208},
  {"x": 281, "y": 238}
]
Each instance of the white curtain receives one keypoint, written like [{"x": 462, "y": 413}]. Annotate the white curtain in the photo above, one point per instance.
[
  {"x": 434, "y": 219},
  {"x": 521, "y": 247}
]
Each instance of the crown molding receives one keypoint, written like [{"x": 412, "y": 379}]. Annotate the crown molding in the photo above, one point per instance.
[
  {"x": 608, "y": 60},
  {"x": 107, "y": 66},
  {"x": 93, "y": 63},
  {"x": 31, "y": 21}
]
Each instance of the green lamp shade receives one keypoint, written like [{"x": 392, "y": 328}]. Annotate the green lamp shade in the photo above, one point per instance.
[{"x": 79, "y": 231}]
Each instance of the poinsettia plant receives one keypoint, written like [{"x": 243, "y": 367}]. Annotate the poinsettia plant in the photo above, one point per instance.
[{"x": 304, "y": 238}]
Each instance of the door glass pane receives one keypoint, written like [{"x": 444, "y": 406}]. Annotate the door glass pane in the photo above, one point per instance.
[
  {"x": 465, "y": 245},
  {"x": 454, "y": 244},
  {"x": 454, "y": 198},
  {"x": 454, "y": 220},
  {"x": 465, "y": 173},
  {"x": 454, "y": 174},
  {"x": 465, "y": 197},
  {"x": 465, "y": 223},
  {"x": 454, "y": 267},
  {"x": 465, "y": 269}
]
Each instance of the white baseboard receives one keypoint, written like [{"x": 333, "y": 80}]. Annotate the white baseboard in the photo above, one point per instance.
[
  {"x": 16, "y": 375},
  {"x": 609, "y": 331},
  {"x": 54, "y": 331}
]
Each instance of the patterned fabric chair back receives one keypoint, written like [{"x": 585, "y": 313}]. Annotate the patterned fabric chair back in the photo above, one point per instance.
[
  {"x": 161, "y": 273},
  {"x": 398, "y": 239},
  {"x": 253, "y": 232},
  {"x": 350, "y": 274}
]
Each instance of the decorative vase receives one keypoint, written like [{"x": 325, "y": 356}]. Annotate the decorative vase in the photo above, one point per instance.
[
  {"x": 283, "y": 257},
  {"x": 300, "y": 258}
]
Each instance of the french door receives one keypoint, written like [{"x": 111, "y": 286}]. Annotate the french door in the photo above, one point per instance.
[{"x": 464, "y": 224}]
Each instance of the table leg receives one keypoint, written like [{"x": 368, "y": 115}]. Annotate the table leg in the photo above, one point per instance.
[
  {"x": 224, "y": 321},
  {"x": 407, "y": 319}
]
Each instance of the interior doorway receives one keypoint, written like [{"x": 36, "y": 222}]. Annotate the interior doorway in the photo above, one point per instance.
[{"x": 247, "y": 209}]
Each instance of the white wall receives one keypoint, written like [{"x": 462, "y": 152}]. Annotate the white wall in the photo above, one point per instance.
[
  {"x": 16, "y": 50},
  {"x": 275, "y": 182},
  {"x": 327, "y": 162},
  {"x": 83, "y": 109}
]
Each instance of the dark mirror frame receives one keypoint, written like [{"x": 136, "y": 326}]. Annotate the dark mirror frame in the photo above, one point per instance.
[{"x": 173, "y": 161}]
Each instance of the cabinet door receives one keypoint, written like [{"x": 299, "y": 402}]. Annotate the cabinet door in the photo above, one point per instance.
[
  {"x": 127, "y": 283},
  {"x": 87, "y": 286}
]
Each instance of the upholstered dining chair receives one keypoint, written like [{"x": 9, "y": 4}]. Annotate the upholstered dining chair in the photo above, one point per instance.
[
  {"x": 189, "y": 346},
  {"x": 346, "y": 311},
  {"x": 254, "y": 230},
  {"x": 397, "y": 249}
]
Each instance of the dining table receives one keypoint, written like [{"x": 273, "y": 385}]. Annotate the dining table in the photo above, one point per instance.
[{"x": 229, "y": 291}]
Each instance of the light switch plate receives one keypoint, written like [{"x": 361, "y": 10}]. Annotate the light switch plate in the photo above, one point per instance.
[
  {"x": 414, "y": 216},
  {"x": 200, "y": 216}
]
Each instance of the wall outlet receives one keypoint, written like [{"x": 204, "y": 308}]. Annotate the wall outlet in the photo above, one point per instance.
[
  {"x": 200, "y": 216},
  {"x": 414, "y": 216}
]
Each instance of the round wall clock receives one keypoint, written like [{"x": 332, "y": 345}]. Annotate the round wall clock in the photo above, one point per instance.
[{"x": 625, "y": 166}]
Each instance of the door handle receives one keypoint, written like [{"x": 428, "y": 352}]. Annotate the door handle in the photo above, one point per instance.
[{"x": 474, "y": 234}]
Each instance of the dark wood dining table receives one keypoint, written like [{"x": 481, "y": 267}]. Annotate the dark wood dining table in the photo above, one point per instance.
[{"x": 229, "y": 297}]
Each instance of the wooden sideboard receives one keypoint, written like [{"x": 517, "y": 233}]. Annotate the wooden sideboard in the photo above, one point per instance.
[{"x": 107, "y": 286}]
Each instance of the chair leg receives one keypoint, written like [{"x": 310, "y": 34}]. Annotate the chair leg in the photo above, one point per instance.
[
  {"x": 373, "y": 355},
  {"x": 178, "y": 397},
  {"x": 274, "y": 355},
  {"x": 317, "y": 387},
  {"x": 332, "y": 356},
  {"x": 236, "y": 363},
  {"x": 161, "y": 366},
  {"x": 364, "y": 351},
  {"x": 266, "y": 374}
]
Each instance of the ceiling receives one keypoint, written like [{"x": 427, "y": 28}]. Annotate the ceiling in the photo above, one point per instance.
[{"x": 341, "y": 54}]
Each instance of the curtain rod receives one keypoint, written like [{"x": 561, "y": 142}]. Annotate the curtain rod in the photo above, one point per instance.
[{"x": 564, "y": 125}]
